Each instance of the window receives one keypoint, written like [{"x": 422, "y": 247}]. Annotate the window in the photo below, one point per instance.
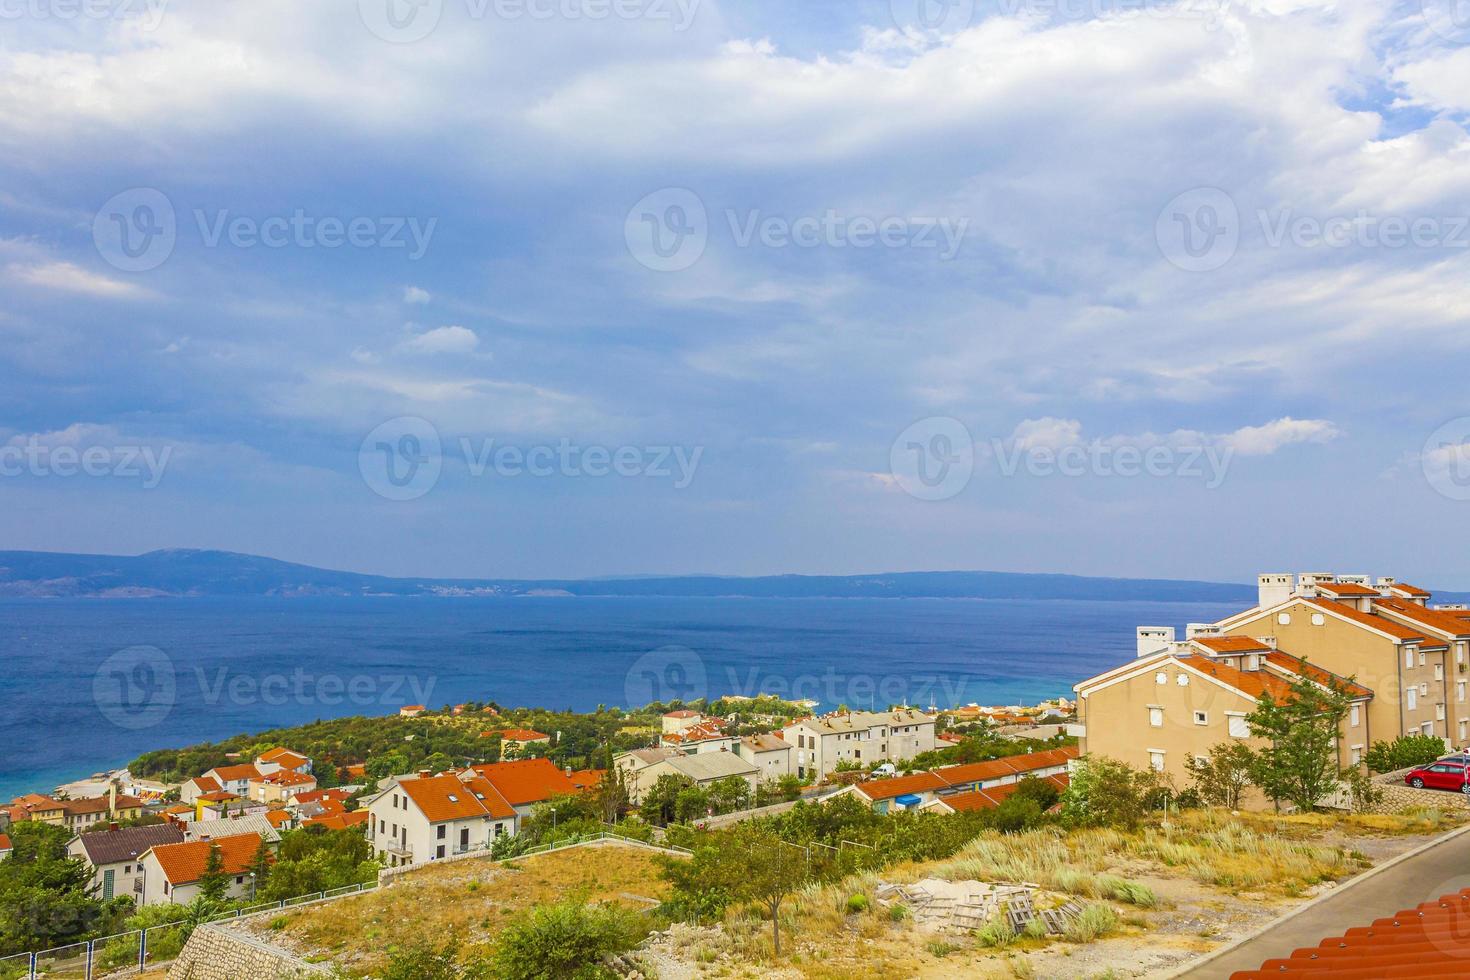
[
  {"x": 1413, "y": 701},
  {"x": 1156, "y": 717},
  {"x": 1318, "y": 619},
  {"x": 1427, "y": 728},
  {"x": 1439, "y": 712},
  {"x": 1459, "y": 653},
  {"x": 1424, "y": 690},
  {"x": 442, "y": 829},
  {"x": 1353, "y": 716},
  {"x": 1421, "y": 658},
  {"x": 1408, "y": 656},
  {"x": 1156, "y": 759},
  {"x": 1238, "y": 726},
  {"x": 1161, "y": 678},
  {"x": 1284, "y": 619},
  {"x": 1183, "y": 680},
  {"x": 1464, "y": 726},
  {"x": 1357, "y": 754},
  {"x": 1201, "y": 718},
  {"x": 1439, "y": 672}
]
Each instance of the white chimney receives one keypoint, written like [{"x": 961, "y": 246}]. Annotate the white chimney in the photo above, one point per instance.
[
  {"x": 1273, "y": 588},
  {"x": 1200, "y": 629},
  {"x": 1154, "y": 639}
]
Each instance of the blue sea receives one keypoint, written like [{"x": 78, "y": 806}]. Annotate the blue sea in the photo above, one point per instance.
[{"x": 90, "y": 684}]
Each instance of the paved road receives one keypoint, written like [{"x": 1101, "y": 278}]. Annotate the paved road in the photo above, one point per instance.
[{"x": 1433, "y": 872}]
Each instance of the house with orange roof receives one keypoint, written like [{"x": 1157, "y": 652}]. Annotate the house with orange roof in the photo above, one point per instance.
[
  {"x": 997, "y": 777},
  {"x": 411, "y": 710},
  {"x": 340, "y": 821},
  {"x": 524, "y": 783},
  {"x": 421, "y": 818},
  {"x": 191, "y": 789},
  {"x": 280, "y": 786},
  {"x": 677, "y": 721},
  {"x": 282, "y": 758},
  {"x": 708, "y": 735},
  {"x": 233, "y": 778},
  {"x": 514, "y": 742},
  {"x": 172, "y": 872}
]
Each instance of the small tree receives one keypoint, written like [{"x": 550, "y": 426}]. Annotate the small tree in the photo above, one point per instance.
[
  {"x": 260, "y": 866},
  {"x": 1221, "y": 779},
  {"x": 1104, "y": 792},
  {"x": 1299, "y": 762},
  {"x": 1404, "y": 752},
  {"x": 659, "y": 801},
  {"x": 611, "y": 795},
  {"x": 214, "y": 883},
  {"x": 565, "y": 941}
]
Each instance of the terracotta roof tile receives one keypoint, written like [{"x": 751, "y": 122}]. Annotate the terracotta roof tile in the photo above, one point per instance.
[
  {"x": 887, "y": 789},
  {"x": 442, "y": 798},
  {"x": 1410, "y": 590},
  {"x": 185, "y": 863},
  {"x": 4, "y": 842},
  {"x": 1296, "y": 665},
  {"x": 1379, "y": 623},
  {"x": 340, "y": 821},
  {"x": 1231, "y": 644},
  {"x": 527, "y": 780},
  {"x": 231, "y": 773},
  {"x": 1453, "y": 622}
]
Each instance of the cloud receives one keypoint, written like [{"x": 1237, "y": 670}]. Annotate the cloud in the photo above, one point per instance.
[
  {"x": 1263, "y": 440},
  {"x": 1259, "y": 440},
  {"x": 71, "y": 278},
  {"x": 413, "y": 294},
  {"x": 442, "y": 340}
]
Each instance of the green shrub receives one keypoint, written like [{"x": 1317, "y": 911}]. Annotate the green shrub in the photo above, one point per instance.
[
  {"x": 566, "y": 941},
  {"x": 857, "y": 903},
  {"x": 1095, "y": 922},
  {"x": 1404, "y": 752},
  {"x": 997, "y": 933}
]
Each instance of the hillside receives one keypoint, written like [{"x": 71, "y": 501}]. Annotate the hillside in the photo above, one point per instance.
[{"x": 188, "y": 572}]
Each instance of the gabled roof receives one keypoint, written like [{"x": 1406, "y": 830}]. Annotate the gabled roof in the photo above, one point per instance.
[
  {"x": 184, "y": 863},
  {"x": 1380, "y": 623},
  {"x": 441, "y": 798},
  {"x": 766, "y": 743},
  {"x": 585, "y": 779},
  {"x": 975, "y": 772},
  {"x": 526, "y": 781},
  {"x": 1231, "y": 644},
  {"x": 206, "y": 784},
  {"x": 4, "y": 843},
  {"x": 681, "y": 713},
  {"x": 1447, "y": 621},
  {"x": 1285, "y": 661},
  {"x": 250, "y": 823},
  {"x": 521, "y": 735},
  {"x": 286, "y": 777},
  {"x": 127, "y": 843},
  {"x": 284, "y": 758},
  {"x": 99, "y": 804},
  {"x": 710, "y": 765},
  {"x": 230, "y": 774},
  {"x": 341, "y": 821},
  {"x": 220, "y": 796},
  {"x": 888, "y": 789},
  {"x": 312, "y": 795}
]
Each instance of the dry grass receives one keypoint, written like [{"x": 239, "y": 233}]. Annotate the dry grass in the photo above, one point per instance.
[{"x": 470, "y": 900}]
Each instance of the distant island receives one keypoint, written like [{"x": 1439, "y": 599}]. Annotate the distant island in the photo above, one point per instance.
[{"x": 201, "y": 573}]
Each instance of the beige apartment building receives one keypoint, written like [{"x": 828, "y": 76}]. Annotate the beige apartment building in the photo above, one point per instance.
[
  {"x": 1402, "y": 661},
  {"x": 857, "y": 737}
]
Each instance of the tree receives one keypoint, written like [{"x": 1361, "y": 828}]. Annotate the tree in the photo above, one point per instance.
[
  {"x": 1404, "y": 752},
  {"x": 1104, "y": 792},
  {"x": 729, "y": 794},
  {"x": 260, "y": 867},
  {"x": 611, "y": 795},
  {"x": 659, "y": 800},
  {"x": 1222, "y": 777},
  {"x": 215, "y": 883},
  {"x": 46, "y": 896},
  {"x": 565, "y": 941},
  {"x": 1298, "y": 763}
]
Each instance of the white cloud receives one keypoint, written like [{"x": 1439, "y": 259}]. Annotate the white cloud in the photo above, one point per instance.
[
  {"x": 1263, "y": 440},
  {"x": 413, "y": 294},
  {"x": 1047, "y": 433},
  {"x": 452, "y": 339},
  {"x": 71, "y": 278},
  {"x": 1259, "y": 440}
]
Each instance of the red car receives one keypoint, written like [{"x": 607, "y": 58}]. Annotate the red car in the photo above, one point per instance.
[{"x": 1440, "y": 775}]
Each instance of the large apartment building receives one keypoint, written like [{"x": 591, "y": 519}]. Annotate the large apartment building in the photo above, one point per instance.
[
  {"x": 858, "y": 737},
  {"x": 1401, "y": 660}
]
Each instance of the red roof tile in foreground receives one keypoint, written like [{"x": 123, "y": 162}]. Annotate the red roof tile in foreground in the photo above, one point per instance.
[
  {"x": 1431, "y": 940},
  {"x": 184, "y": 863},
  {"x": 527, "y": 780}
]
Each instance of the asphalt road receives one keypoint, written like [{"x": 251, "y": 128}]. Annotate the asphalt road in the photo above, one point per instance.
[{"x": 1433, "y": 872}]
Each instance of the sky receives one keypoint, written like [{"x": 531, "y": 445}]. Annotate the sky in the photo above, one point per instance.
[{"x": 553, "y": 288}]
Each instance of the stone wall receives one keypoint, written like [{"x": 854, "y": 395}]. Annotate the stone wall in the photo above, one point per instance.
[
  {"x": 1397, "y": 795},
  {"x": 217, "y": 952}
]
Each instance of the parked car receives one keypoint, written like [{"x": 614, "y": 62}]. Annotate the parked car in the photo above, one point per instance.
[{"x": 1444, "y": 774}]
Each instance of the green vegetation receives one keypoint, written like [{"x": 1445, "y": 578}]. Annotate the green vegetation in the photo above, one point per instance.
[
  {"x": 312, "y": 859},
  {"x": 1404, "y": 752},
  {"x": 1104, "y": 792},
  {"x": 983, "y": 746},
  {"x": 1224, "y": 775},
  {"x": 567, "y": 941},
  {"x": 45, "y": 895},
  {"x": 1298, "y": 763}
]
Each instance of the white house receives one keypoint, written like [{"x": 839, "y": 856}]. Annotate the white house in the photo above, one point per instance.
[
  {"x": 232, "y": 779},
  {"x": 172, "y": 872},
  {"x": 702, "y": 769},
  {"x": 423, "y": 818},
  {"x": 770, "y": 754},
  {"x": 278, "y": 759},
  {"x": 115, "y": 856},
  {"x": 858, "y": 737}
]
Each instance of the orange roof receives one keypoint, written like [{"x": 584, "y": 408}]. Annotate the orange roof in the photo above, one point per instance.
[
  {"x": 340, "y": 821},
  {"x": 287, "y": 777},
  {"x": 519, "y": 735},
  {"x": 528, "y": 780},
  {"x": 887, "y": 789},
  {"x": 975, "y": 772},
  {"x": 442, "y": 798},
  {"x": 1453, "y": 622},
  {"x": 206, "y": 784},
  {"x": 179, "y": 808},
  {"x": 1347, "y": 589},
  {"x": 314, "y": 795},
  {"x": 231, "y": 773},
  {"x": 1430, "y": 940},
  {"x": 185, "y": 863},
  {"x": 586, "y": 779},
  {"x": 702, "y": 732},
  {"x": 1388, "y": 626},
  {"x": 1231, "y": 644},
  {"x": 4, "y": 843},
  {"x": 285, "y": 757},
  {"x": 217, "y": 797},
  {"x": 1252, "y": 683},
  {"x": 1410, "y": 590},
  {"x": 681, "y": 713},
  {"x": 278, "y": 818}
]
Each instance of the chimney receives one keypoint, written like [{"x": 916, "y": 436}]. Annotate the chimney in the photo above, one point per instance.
[
  {"x": 425, "y": 773},
  {"x": 1154, "y": 639},
  {"x": 112, "y": 800},
  {"x": 112, "y": 825},
  {"x": 1273, "y": 588}
]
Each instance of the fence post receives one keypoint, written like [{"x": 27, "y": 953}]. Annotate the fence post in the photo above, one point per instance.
[
  {"x": 31, "y": 967},
  {"x": 142, "y": 949},
  {"x": 90, "y": 944}
]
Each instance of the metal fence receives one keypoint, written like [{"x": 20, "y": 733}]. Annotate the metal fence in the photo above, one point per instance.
[{"x": 140, "y": 948}]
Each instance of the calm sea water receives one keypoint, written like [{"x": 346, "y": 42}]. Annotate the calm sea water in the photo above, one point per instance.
[{"x": 90, "y": 684}]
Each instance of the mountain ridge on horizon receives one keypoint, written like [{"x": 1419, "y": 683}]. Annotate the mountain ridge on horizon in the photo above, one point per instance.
[{"x": 194, "y": 572}]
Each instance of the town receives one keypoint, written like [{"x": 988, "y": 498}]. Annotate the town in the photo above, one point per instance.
[{"x": 1366, "y": 673}]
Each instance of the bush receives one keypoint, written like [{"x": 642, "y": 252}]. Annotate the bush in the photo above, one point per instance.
[
  {"x": 1404, "y": 752},
  {"x": 1094, "y": 922},
  {"x": 566, "y": 941},
  {"x": 857, "y": 903},
  {"x": 1104, "y": 792}
]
